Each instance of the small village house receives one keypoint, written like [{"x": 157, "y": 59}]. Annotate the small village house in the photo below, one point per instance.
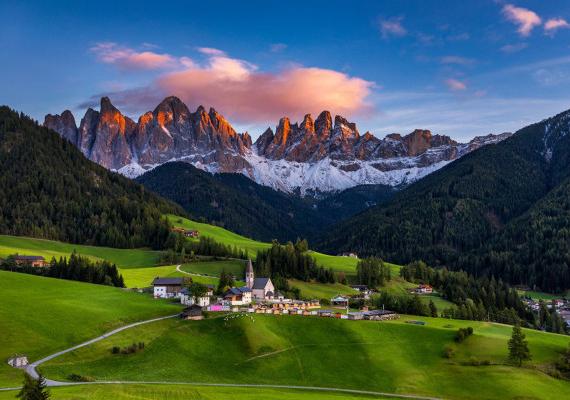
[
  {"x": 186, "y": 232},
  {"x": 194, "y": 312},
  {"x": 188, "y": 299},
  {"x": 380, "y": 315},
  {"x": 424, "y": 289},
  {"x": 166, "y": 288},
  {"x": 34, "y": 261},
  {"x": 238, "y": 296},
  {"x": 18, "y": 361},
  {"x": 339, "y": 301}
]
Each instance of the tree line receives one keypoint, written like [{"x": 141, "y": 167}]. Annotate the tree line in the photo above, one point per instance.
[{"x": 76, "y": 268}]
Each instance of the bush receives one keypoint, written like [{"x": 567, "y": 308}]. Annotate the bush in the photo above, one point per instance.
[
  {"x": 115, "y": 350},
  {"x": 463, "y": 333},
  {"x": 80, "y": 378},
  {"x": 448, "y": 352},
  {"x": 133, "y": 348}
]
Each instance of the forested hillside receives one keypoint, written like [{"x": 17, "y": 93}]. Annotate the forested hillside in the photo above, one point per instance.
[
  {"x": 237, "y": 203},
  {"x": 48, "y": 189},
  {"x": 502, "y": 209}
]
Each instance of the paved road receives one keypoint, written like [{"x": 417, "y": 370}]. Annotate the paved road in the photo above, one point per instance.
[{"x": 32, "y": 370}]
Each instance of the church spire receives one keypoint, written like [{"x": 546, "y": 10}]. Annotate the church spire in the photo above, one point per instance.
[{"x": 249, "y": 276}]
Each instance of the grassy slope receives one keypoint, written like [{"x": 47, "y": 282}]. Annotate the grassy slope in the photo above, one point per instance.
[
  {"x": 214, "y": 268},
  {"x": 179, "y": 392},
  {"x": 143, "y": 277},
  {"x": 320, "y": 290},
  {"x": 383, "y": 356},
  {"x": 39, "y": 316},
  {"x": 123, "y": 258},
  {"x": 222, "y": 235}
]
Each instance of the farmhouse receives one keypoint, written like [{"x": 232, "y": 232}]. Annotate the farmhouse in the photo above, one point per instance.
[
  {"x": 339, "y": 301},
  {"x": 186, "y": 232},
  {"x": 187, "y": 298},
  {"x": 424, "y": 289},
  {"x": 193, "y": 312},
  {"x": 166, "y": 288},
  {"x": 34, "y": 261},
  {"x": 238, "y": 296},
  {"x": 18, "y": 361},
  {"x": 261, "y": 288}
]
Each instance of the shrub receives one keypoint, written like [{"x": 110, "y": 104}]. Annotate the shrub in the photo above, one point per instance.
[
  {"x": 448, "y": 352},
  {"x": 115, "y": 350},
  {"x": 463, "y": 333},
  {"x": 80, "y": 378}
]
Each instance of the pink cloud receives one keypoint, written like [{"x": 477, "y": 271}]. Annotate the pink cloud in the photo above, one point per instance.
[
  {"x": 126, "y": 58},
  {"x": 513, "y": 48},
  {"x": 392, "y": 27},
  {"x": 523, "y": 17},
  {"x": 553, "y": 24},
  {"x": 455, "y": 84},
  {"x": 210, "y": 51}
]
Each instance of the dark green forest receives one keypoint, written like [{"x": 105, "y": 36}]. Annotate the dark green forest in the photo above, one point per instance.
[
  {"x": 502, "y": 211},
  {"x": 48, "y": 189},
  {"x": 237, "y": 203}
]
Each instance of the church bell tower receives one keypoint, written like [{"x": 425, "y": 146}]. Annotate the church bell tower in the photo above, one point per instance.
[{"x": 249, "y": 277}]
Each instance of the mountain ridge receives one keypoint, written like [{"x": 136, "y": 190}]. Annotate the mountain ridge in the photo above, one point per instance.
[{"x": 308, "y": 157}]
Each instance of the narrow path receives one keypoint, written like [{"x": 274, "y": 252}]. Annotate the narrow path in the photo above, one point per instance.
[{"x": 31, "y": 369}]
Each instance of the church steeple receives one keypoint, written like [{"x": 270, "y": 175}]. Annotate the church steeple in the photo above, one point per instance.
[{"x": 249, "y": 276}]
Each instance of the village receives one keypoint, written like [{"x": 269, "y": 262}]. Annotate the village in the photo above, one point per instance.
[{"x": 259, "y": 296}]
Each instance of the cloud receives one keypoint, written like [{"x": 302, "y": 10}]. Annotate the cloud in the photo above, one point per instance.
[
  {"x": 245, "y": 94},
  {"x": 455, "y": 84},
  {"x": 523, "y": 17},
  {"x": 210, "y": 51},
  {"x": 392, "y": 27},
  {"x": 277, "y": 47},
  {"x": 514, "y": 48},
  {"x": 553, "y": 24},
  {"x": 129, "y": 59},
  {"x": 457, "y": 60}
]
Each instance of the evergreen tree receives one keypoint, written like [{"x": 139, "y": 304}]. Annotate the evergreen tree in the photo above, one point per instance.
[
  {"x": 432, "y": 309},
  {"x": 33, "y": 389},
  {"x": 518, "y": 346}
]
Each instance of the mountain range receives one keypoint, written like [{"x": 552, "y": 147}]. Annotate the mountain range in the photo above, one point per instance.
[
  {"x": 503, "y": 210},
  {"x": 315, "y": 156}
]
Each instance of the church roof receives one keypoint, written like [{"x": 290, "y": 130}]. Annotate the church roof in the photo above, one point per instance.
[
  {"x": 249, "y": 268},
  {"x": 260, "y": 283}
]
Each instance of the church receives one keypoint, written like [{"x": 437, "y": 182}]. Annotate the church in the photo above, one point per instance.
[{"x": 261, "y": 288}]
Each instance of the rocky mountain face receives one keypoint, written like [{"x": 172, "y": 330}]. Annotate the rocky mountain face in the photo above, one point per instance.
[{"x": 313, "y": 156}]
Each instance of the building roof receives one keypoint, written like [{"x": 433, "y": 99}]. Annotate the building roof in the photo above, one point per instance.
[
  {"x": 193, "y": 310},
  {"x": 168, "y": 281},
  {"x": 260, "y": 283},
  {"x": 29, "y": 258}
]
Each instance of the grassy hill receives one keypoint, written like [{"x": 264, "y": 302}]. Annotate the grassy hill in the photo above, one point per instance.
[
  {"x": 40, "y": 315},
  {"x": 222, "y": 235},
  {"x": 123, "y": 258},
  {"x": 380, "y": 356}
]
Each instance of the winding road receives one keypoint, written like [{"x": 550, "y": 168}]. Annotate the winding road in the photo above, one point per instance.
[{"x": 31, "y": 369}]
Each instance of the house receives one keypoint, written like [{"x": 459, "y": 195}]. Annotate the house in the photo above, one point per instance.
[
  {"x": 424, "y": 289},
  {"x": 18, "y": 361},
  {"x": 186, "y": 232},
  {"x": 341, "y": 301},
  {"x": 324, "y": 313},
  {"x": 380, "y": 315},
  {"x": 238, "y": 296},
  {"x": 34, "y": 261},
  {"x": 261, "y": 288},
  {"x": 187, "y": 298},
  {"x": 364, "y": 290},
  {"x": 166, "y": 288},
  {"x": 355, "y": 315},
  {"x": 351, "y": 255},
  {"x": 194, "y": 312}
]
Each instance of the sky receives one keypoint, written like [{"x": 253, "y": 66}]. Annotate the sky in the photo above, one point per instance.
[{"x": 459, "y": 68}]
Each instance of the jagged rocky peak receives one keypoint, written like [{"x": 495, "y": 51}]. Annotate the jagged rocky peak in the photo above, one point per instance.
[{"x": 64, "y": 124}]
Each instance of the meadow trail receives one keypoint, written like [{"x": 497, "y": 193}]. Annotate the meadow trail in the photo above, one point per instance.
[{"x": 31, "y": 369}]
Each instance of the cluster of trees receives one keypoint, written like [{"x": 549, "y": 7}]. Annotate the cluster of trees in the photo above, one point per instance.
[
  {"x": 179, "y": 249},
  {"x": 282, "y": 262},
  {"x": 48, "y": 189},
  {"x": 549, "y": 319},
  {"x": 477, "y": 298},
  {"x": 404, "y": 304},
  {"x": 75, "y": 268},
  {"x": 372, "y": 272}
]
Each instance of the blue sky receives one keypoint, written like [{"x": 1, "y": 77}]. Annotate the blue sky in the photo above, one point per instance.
[{"x": 457, "y": 68}]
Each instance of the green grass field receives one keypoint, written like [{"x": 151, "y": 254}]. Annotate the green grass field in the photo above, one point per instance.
[
  {"x": 214, "y": 268},
  {"x": 39, "y": 316},
  {"x": 143, "y": 277},
  {"x": 310, "y": 290},
  {"x": 181, "y": 392},
  {"x": 539, "y": 295},
  {"x": 380, "y": 356},
  {"x": 123, "y": 258}
]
